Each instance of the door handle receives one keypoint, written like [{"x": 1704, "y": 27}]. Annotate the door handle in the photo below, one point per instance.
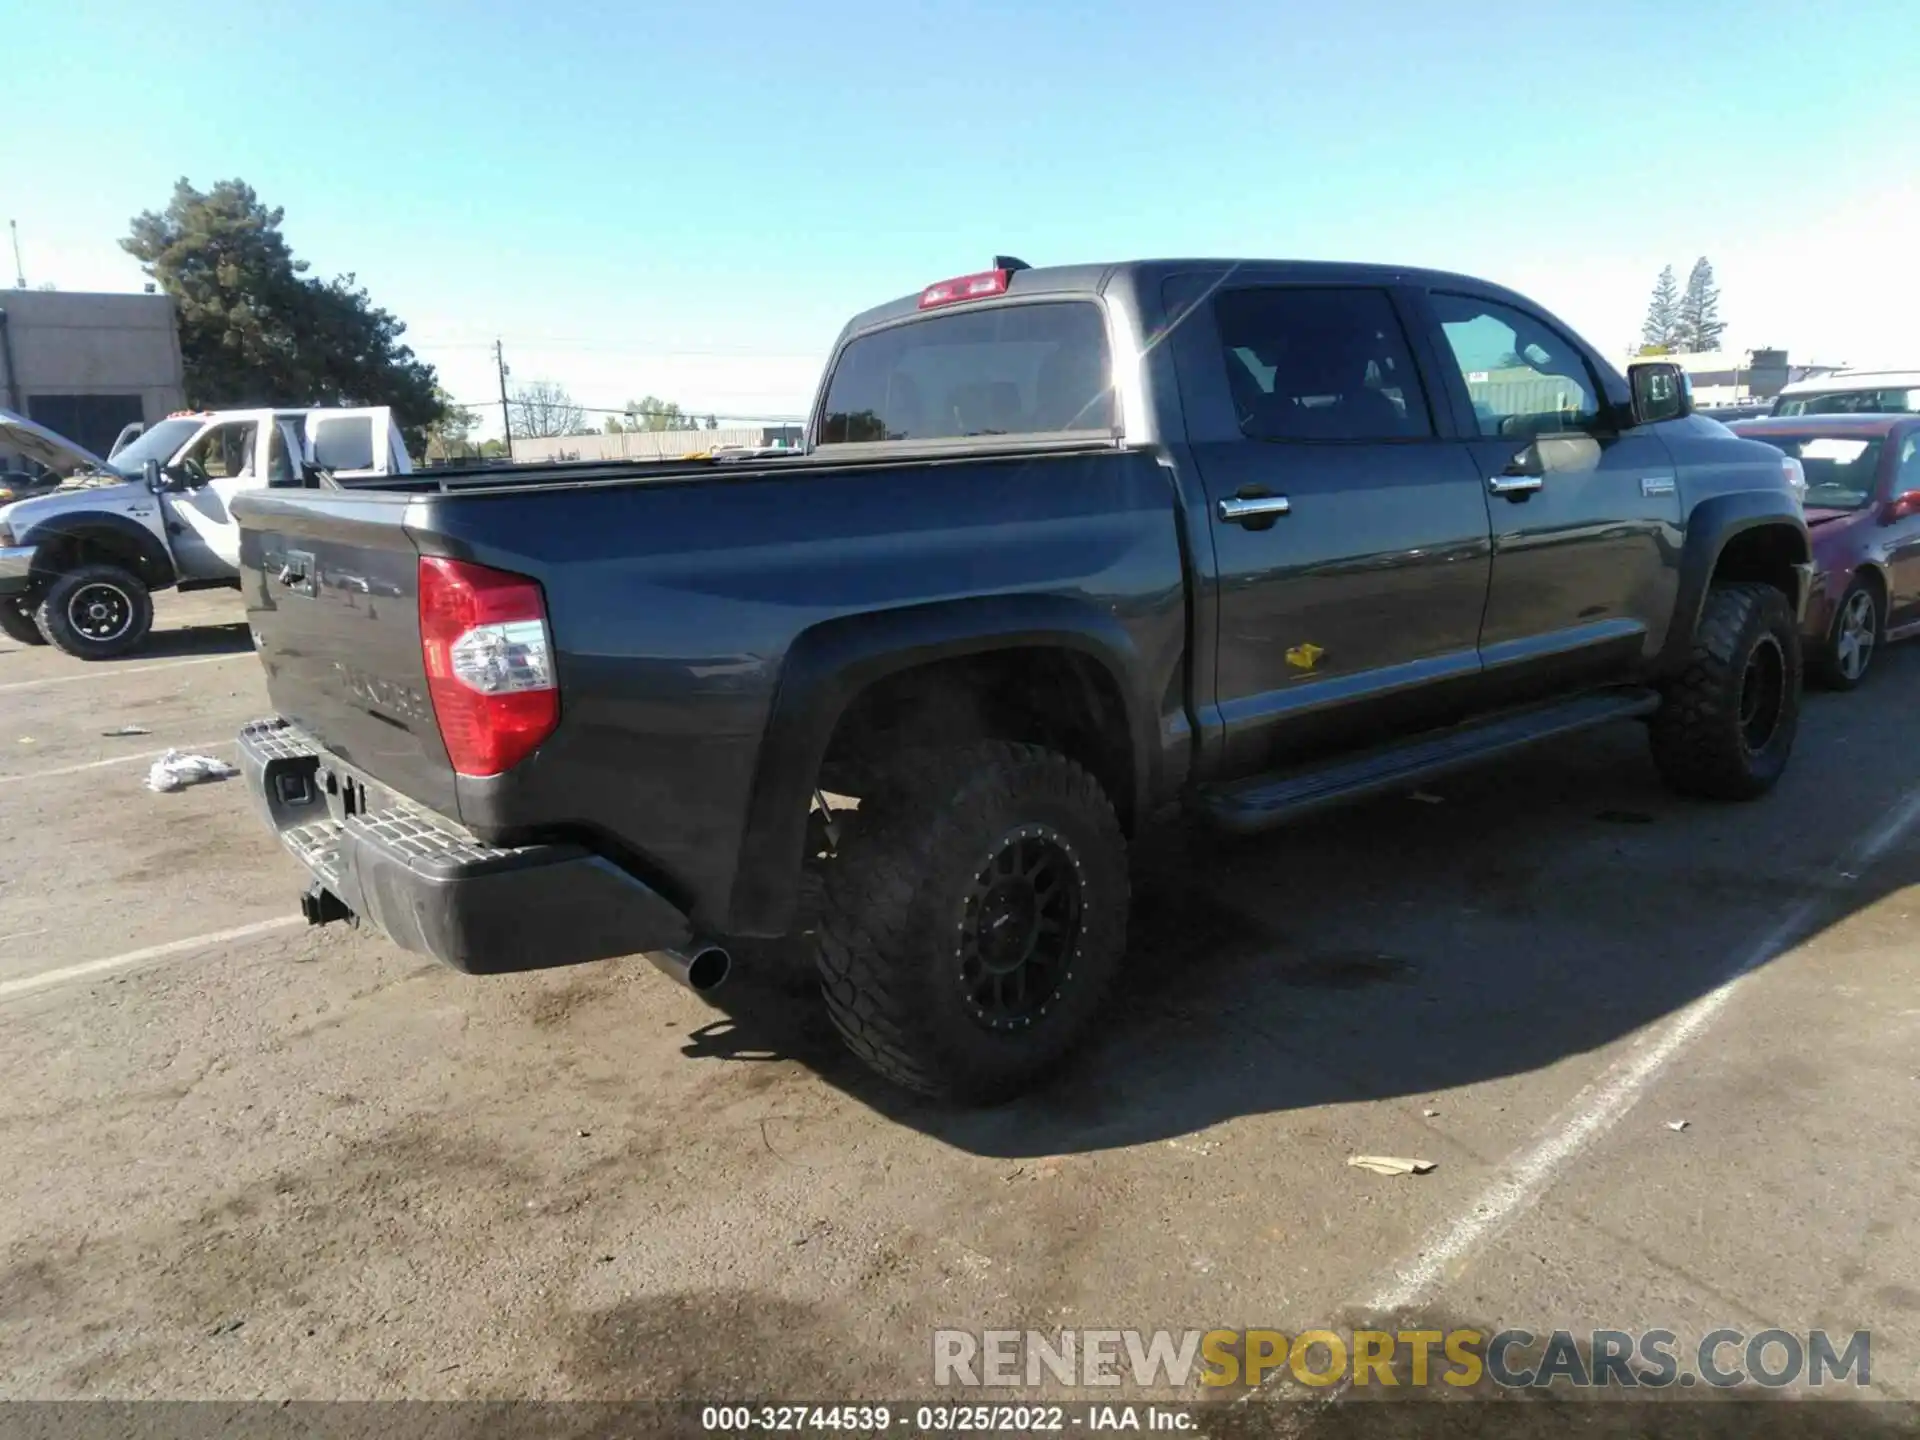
[
  {"x": 1515, "y": 487},
  {"x": 1240, "y": 509}
]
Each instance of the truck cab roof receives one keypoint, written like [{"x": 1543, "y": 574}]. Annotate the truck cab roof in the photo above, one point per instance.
[{"x": 1095, "y": 279}]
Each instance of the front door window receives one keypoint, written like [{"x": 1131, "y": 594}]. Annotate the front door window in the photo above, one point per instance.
[
  {"x": 226, "y": 451},
  {"x": 1524, "y": 378}
]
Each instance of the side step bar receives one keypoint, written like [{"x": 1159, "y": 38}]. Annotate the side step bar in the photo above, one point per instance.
[{"x": 1265, "y": 801}]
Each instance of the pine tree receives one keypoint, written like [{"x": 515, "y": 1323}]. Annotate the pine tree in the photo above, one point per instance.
[
  {"x": 256, "y": 329},
  {"x": 1657, "y": 336},
  {"x": 1700, "y": 326}
]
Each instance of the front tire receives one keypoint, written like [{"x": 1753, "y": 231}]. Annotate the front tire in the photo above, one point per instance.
[
  {"x": 1855, "y": 635},
  {"x": 16, "y": 621},
  {"x": 95, "y": 612},
  {"x": 1727, "y": 722},
  {"x": 975, "y": 921}
]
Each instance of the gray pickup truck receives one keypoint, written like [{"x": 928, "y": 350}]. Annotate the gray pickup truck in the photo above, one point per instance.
[{"x": 1067, "y": 546}]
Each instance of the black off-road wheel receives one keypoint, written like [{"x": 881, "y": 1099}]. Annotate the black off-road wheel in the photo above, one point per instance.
[
  {"x": 95, "y": 612},
  {"x": 1726, "y": 724},
  {"x": 974, "y": 922},
  {"x": 16, "y": 621},
  {"x": 1841, "y": 663}
]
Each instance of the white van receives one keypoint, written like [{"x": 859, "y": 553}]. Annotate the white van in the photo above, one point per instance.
[
  {"x": 78, "y": 566},
  {"x": 1853, "y": 392}
]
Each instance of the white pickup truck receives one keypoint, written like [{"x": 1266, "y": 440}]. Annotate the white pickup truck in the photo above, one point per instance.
[{"x": 78, "y": 566}]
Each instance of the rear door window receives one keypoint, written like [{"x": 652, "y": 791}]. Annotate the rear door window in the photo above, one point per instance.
[
  {"x": 1325, "y": 364},
  {"x": 1033, "y": 369}
]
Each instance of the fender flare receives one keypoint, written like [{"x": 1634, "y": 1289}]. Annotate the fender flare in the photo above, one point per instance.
[
  {"x": 828, "y": 666},
  {"x": 151, "y": 563},
  {"x": 1711, "y": 526}
]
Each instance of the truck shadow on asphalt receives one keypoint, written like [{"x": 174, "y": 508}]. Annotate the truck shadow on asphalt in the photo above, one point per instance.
[
  {"x": 187, "y": 640},
  {"x": 1410, "y": 946}
]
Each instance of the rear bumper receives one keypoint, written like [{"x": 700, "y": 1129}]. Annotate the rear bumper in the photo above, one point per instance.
[
  {"x": 433, "y": 889},
  {"x": 16, "y": 568}
]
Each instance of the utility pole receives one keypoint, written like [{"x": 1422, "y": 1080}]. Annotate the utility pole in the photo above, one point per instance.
[
  {"x": 19, "y": 270},
  {"x": 506, "y": 414}
]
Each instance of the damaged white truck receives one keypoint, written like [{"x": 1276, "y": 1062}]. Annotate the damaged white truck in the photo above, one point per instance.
[{"x": 78, "y": 567}]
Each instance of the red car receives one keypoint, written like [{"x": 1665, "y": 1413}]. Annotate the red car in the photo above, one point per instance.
[{"x": 1863, "y": 507}]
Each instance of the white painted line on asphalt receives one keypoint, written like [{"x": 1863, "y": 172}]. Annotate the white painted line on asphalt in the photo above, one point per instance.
[
  {"x": 198, "y": 747},
  {"x": 11, "y": 988},
  {"x": 1601, "y": 1105},
  {"x": 101, "y": 672}
]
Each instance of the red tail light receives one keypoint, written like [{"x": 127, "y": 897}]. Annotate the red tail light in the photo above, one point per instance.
[
  {"x": 968, "y": 287},
  {"x": 489, "y": 663}
]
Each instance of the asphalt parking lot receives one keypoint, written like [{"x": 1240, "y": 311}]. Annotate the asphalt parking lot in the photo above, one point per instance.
[{"x": 249, "y": 1159}]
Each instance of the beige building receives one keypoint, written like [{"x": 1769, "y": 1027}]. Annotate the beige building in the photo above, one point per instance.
[
  {"x": 650, "y": 444},
  {"x": 88, "y": 364}
]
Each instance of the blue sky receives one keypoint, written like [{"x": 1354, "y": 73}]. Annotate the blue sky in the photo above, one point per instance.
[{"x": 690, "y": 200}]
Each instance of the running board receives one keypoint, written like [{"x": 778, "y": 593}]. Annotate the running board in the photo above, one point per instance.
[{"x": 1269, "y": 800}]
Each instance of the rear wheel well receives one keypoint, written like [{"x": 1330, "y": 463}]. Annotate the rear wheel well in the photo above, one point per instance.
[
  {"x": 1870, "y": 576},
  {"x": 1051, "y": 696},
  {"x": 1764, "y": 555}
]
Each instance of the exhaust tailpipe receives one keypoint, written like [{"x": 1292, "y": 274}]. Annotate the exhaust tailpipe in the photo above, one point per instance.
[{"x": 702, "y": 967}]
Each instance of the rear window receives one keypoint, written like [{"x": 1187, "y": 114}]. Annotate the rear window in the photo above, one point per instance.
[
  {"x": 345, "y": 443},
  {"x": 1852, "y": 402},
  {"x": 1840, "y": 469},
  {"x": 1007, "y": 370}
]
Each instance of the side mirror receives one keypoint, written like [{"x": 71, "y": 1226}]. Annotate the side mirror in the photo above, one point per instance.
[
  {"x": 1661, "y": 391},
  {"x": 1906, "y": 503},
  {"x": 150, "y": 474}
]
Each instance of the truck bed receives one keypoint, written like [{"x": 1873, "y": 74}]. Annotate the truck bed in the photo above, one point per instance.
[{"x": 686, "y": 601}]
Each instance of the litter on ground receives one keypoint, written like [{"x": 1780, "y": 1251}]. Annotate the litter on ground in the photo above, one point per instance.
[
  {"x": 175, "y": 771},
  {"x": 126, "y": 730},
  {"x": 1389, "y": 1164}
]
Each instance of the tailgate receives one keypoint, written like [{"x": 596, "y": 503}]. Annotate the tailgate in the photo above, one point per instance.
[{"x": 331, "y": 583}]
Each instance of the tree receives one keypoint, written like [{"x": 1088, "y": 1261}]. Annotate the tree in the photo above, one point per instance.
[
  {"x": 451, "y": 436},
  {"x": 542, "y": 408},
  {"x": 713, "y": 422},
  {"x": 1700, "y": 326},
  {"x": 653, "y": 413},
  {"x": 256, "y": 329},
  {"x": 1663, "y": 315}
]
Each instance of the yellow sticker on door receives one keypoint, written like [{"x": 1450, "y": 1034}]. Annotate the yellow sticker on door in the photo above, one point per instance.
[{"x": 1305, "y": 657}]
